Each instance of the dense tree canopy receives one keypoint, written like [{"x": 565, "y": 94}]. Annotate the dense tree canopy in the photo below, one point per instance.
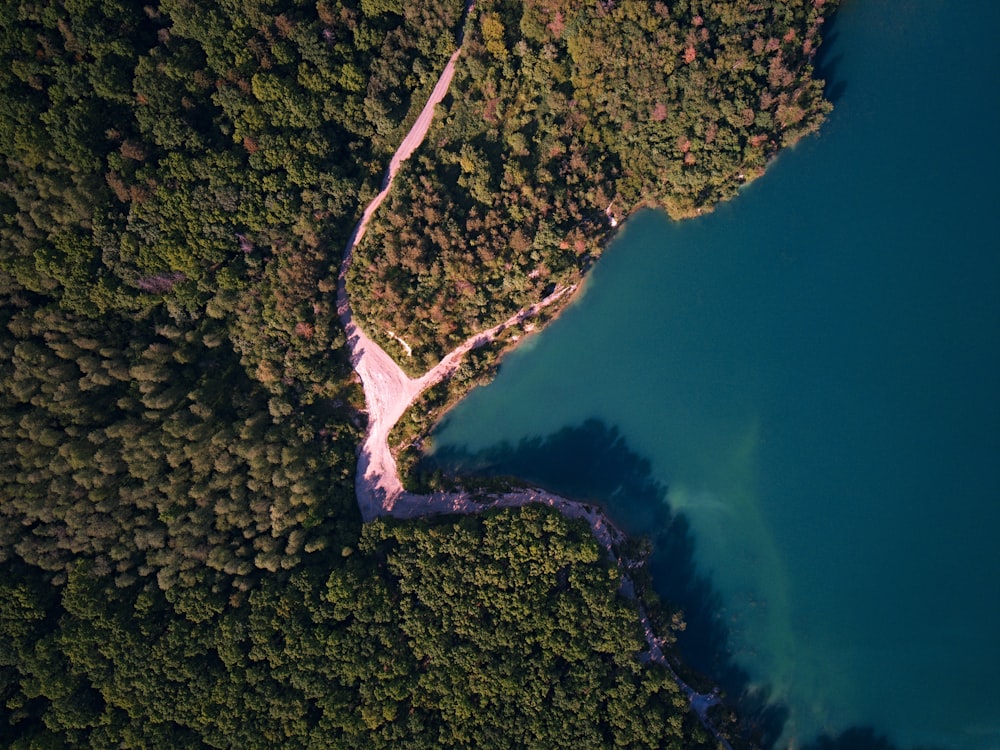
[
  {"x": 155, "y": 455},
  {"x": 205, "y": 159},
  {"x": 497, "y": 632},
  {"x": 175, "y": 393},
  {"x": 562, "y": 113},
  {"x": 181, "y": 559}
]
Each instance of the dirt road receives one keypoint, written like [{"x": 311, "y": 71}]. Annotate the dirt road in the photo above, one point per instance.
[{"x": 389, "y": 392}]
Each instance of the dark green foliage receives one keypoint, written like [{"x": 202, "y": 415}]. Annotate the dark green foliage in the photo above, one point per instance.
[
  {"x": 178, "y": 418},
  {"x": 151, "y": 453},
  {"x": 204, "y": 159},
  {"x": 176, "y": 401},
  {"x": 406, "y": 438},
  {"x": 497, "y": 632},
  {"x": 563, "y": 111}
]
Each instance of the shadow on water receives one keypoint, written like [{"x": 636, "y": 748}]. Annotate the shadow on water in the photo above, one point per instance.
[
  {"x": 592, "y": 462},
  {"x": 827, "y": 62},
  {"x": 857, "y": 738}
]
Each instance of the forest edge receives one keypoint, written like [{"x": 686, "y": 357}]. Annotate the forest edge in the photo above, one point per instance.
[{"x": 389, "y": 392}]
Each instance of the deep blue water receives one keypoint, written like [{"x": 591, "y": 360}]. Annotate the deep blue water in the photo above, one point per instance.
[{"x": 812, "y": 373}]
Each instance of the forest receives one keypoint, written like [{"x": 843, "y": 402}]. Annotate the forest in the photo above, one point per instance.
[
  {"x": 181, "y": 556},
  {"x": 564, "y": 115},
  {"x": 486, "y": 632}
]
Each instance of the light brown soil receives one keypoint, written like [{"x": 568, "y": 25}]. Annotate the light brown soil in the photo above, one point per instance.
[{"x": 389, "y": 392}]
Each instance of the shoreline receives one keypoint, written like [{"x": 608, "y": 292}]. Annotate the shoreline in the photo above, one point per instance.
[
  {"x": 608, "y": 535},
  {"x": 389, "y": 392},
  {"x": 566, "y": 297}
]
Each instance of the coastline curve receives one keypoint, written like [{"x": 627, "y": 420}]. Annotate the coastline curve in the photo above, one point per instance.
[{"x": 389, "y": 392}]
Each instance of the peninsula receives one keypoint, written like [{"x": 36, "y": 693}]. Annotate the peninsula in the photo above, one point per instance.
[{"x": 183, "y": 557}]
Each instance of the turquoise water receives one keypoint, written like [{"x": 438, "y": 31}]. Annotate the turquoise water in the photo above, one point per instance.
[{"x": 813, "y": 371}]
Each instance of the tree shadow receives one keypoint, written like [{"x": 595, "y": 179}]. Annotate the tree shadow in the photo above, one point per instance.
[
  {"x": 592, "y": 462},
  {"x": 828, "y": 60},
  {"x": 856, "y": 738}
]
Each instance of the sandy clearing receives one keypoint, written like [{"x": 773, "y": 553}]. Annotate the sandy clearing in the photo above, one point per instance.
[{"x": 389, "y": 392}]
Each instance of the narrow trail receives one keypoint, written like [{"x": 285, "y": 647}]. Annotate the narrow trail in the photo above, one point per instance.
[{"x": 389, "y": 392}]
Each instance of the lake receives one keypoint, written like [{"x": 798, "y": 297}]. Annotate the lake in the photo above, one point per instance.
[{"x": 797, "y": 397}]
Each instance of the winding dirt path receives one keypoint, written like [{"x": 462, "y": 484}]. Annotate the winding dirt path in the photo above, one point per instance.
[{"x": 389, "y": 392}]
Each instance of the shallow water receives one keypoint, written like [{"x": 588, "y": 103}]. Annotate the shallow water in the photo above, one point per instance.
[{"x": 813, "y": 371}]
